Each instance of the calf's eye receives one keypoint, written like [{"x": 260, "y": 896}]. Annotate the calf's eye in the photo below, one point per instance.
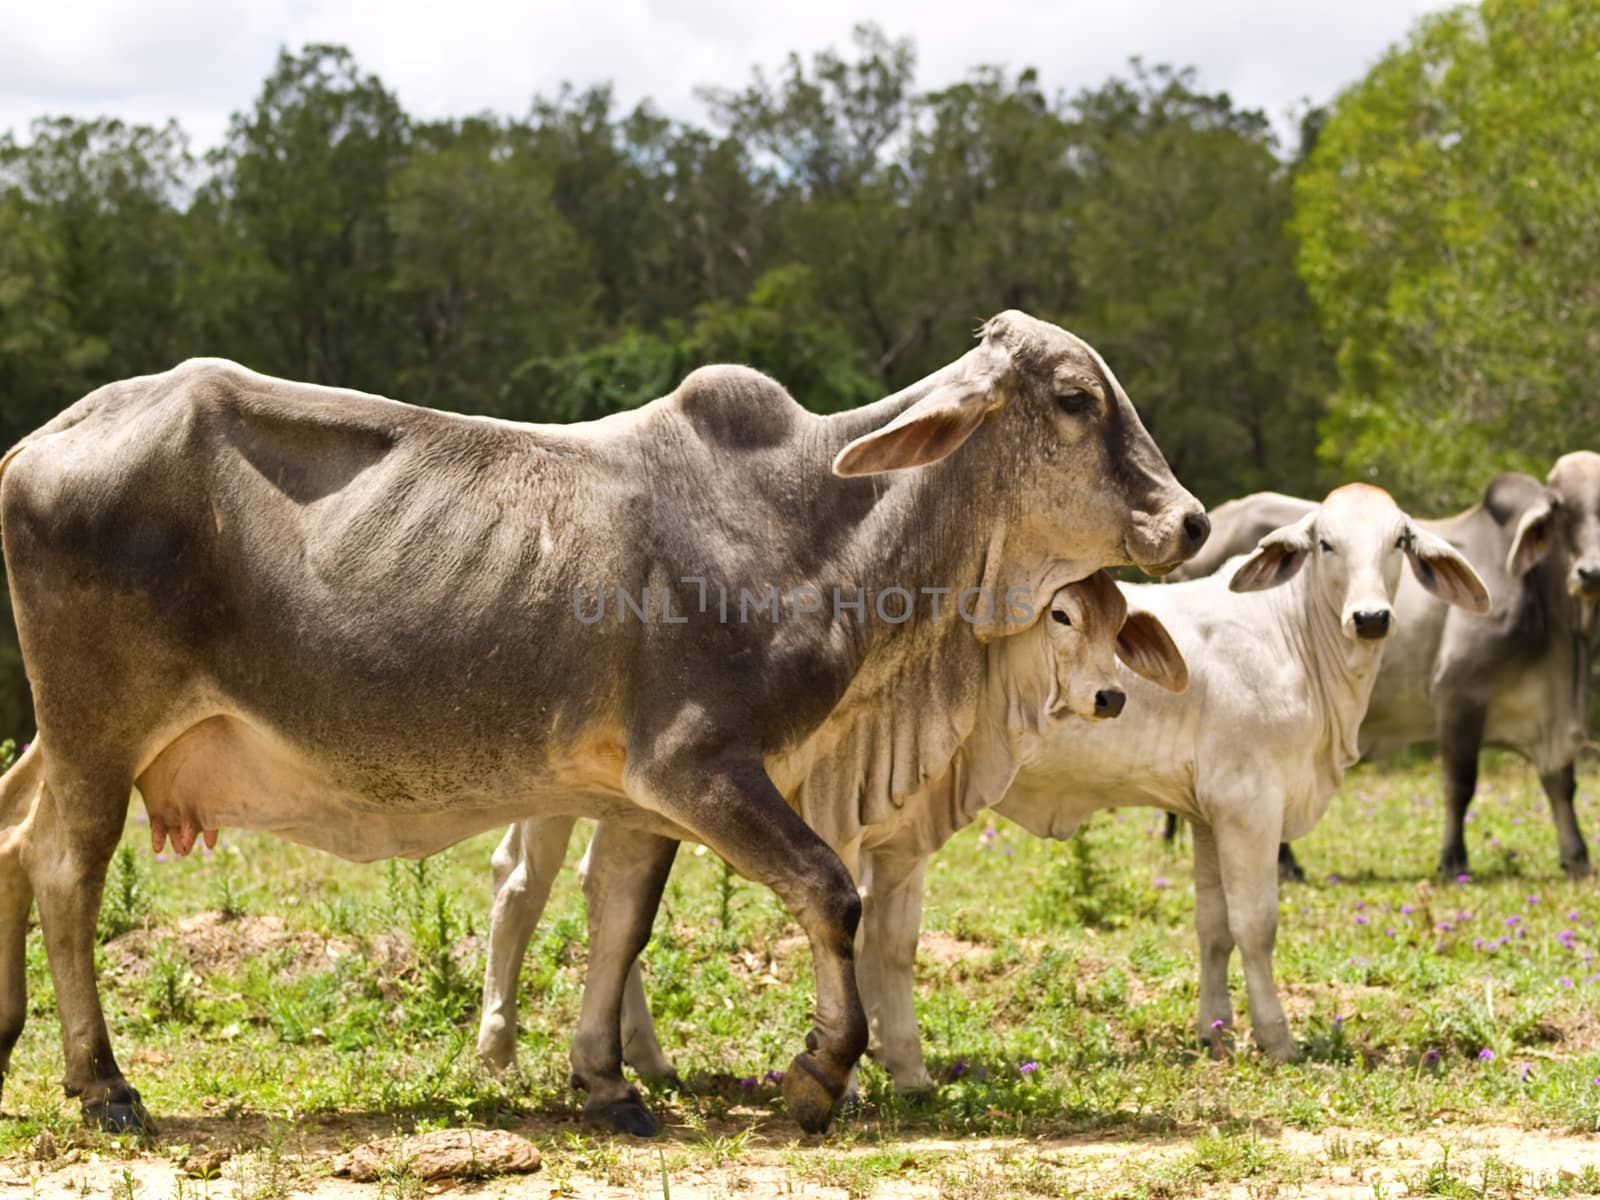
[
  {"x": 1059, "y": 617},
  {"x": 1077, "y": 402}
]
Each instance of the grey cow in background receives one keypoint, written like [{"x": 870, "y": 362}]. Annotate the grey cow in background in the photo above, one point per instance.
[
  {"x": 1517, "y": 678},
  {"x": 234, "y": 592}
]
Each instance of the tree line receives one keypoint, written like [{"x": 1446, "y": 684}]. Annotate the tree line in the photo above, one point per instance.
[{"x": 1406, "y": 294}]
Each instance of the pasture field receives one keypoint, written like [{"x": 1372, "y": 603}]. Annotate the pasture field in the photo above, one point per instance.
[{"x": 282, "y": 1005}]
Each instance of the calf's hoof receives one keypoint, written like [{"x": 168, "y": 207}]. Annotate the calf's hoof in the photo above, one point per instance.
[
  {"x": 627, "y": 1115},
  {"x": 807, "y": 1094},
  {"x": 1289, "y": 868},
  {"x": 1580, "y": 869},
  {"x": 120, "y": 1113}
]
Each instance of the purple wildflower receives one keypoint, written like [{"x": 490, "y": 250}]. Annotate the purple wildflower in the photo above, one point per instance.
[
  {"x": 1444, "y": 927},
  {"x": 1029, "y": 1067},
  {"x": 1513, "y": 920},
  {"x": 1217, "y": 1024},
  {"x": 1333, "y": 879},
  {"x": 1360, "y": 904},
  {"x": 748, "y": 1083},
  {"x": 1522, "y": 1075},
  {"x": 1430, "y": 1058},
  {"x": 1405, "y": 910},
  {"x": 1464, "y": 877},
  {"x": 1361, "y": 920},
  {"x": 1388, "y": 933},
  {"x": 774, "y": 1077},
  {"x": 1532, "y": 900},
  {"x": 1161, "y": 881},
  {"x": 161, "y": 858},
  {"x": 1486, "y": 1055},
  {"x": 1572, "y": 914}
]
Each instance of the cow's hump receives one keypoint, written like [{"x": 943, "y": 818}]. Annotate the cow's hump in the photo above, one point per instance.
[{"x": 737, "y": 407}]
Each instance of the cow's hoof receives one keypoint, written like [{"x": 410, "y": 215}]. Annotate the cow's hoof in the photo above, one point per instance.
[
  {"x": 1579, "y": 870},
  {"x": 1290, "y": 870},
  {"x": 806, "y": 1093},
  {"x": 120, "y": 1116},
  {"x": 628, "y": 1115}
]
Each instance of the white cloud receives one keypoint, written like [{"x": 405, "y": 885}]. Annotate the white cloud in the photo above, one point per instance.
[{"x": 200, "y": 60}]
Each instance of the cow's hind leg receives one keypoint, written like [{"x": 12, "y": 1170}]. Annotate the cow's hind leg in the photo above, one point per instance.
[
  {"x": 20, "y": 789},
  {"x": 76, "y": 828},
  {"x": 525, "y": 866},
  {"x": 739, "y": 813},
  {"x": 627, "y": 872},
  {"x": 1460, "y": 739},
  {"x": 1561, "y": 786}
]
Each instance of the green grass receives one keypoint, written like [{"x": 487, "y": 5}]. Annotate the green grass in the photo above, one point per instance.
[{"x": 265, "y": 986}]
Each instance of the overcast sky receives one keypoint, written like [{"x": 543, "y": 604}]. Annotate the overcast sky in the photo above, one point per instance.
[{"x": 200, "y": 60}]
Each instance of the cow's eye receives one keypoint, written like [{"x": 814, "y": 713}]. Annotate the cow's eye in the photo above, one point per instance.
[
  {"x": 1325, "y": 545},
  {"x": 1403, "y": 542},
  {"x": 1059, "y": 617},
  {"x": 1077, "y": 402}
]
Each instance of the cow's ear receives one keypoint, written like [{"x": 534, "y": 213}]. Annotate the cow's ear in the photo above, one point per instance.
[
  {"x": 1531, "y": 541},
  {"x": 1276, "y": 557},
  {"x": 1147, "y": 649},
  {"x": 955, "y": 403},
  {"x": 1441, "y": 570}
]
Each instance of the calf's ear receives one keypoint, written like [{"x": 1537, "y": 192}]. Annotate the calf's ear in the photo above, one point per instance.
[
  {"x": 1441, "y": 570},
  {"x": 1532, "y": 540},
  {"x": 1276, "y": 557},
  {"x": 955, "y": 403},
  {"x": 1147, "y": 649}
]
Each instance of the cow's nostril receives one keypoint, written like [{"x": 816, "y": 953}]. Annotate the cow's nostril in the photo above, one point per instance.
[
  {"x": 1373, "y": 623},
  {"x": 1196, "y": 529},
  {"x": 1108, "y": 702}
]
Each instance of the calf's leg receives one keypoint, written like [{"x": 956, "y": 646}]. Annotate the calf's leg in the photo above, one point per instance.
[
  {"x": 886, "y": 949},
  {"x": 1460, "y": 739},
  {"x": 1215, "y": 1023},
  {"x": 525, "y": 866},
  {"x": 1246, "y": 856},
  {"x": 1560, "y": 787}
]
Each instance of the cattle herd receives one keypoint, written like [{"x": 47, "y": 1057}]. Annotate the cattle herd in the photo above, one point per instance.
[{"x": 819, "y": 645}]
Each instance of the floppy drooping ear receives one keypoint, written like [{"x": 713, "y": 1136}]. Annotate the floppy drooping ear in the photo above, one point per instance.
[
  {"x": 1147, "y": 649},
  {"x": 959, "y": 398},
  {"x": 1441, "y": 570},
  {"x": 1532, "y": 540},
  {"x": 1276, "y": 557}
]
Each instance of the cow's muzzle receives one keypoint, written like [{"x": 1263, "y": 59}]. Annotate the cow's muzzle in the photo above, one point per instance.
[{"x": 1371, "y": 623}]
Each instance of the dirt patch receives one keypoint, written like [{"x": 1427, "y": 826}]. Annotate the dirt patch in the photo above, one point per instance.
[
  {"x": 946, "y": 949},
  {"x": 213, "y": 943},
  {"x": 1341, "y": 1163},
  {"x": 442, "y": 1154}
]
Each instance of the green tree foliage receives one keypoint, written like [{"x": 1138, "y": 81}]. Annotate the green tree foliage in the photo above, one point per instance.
[
  {"x": 1450, "y": 221},
  {"x": 1186, "y": 281}
]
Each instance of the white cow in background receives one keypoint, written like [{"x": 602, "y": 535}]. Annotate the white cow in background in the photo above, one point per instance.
[{"x": 1282, "y": 649}]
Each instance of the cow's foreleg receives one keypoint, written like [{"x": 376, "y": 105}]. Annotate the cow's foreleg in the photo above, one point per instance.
[
  {"x": 1215, "y": 1022},
  {"x": 739, "y": 813},
  {"x": 1460, "y": 739},
  {"x": 1561, "y": 786},
  {"x": 67, "y": 851},
  {"x": 525, "y": 866},
  {"x": 627, "y": 871},
  {"x": 1246, "y": 853},
  {"x": 640, "y": 1049},
  {"x": 19, "y": 796},
  {"x": 886, "y": 950}
]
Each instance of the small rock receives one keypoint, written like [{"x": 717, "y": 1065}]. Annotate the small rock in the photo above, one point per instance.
[
  {"x": 443, "y": 1154},
  {"x": 44, "y": 1148},
  {"x": 206, "y": 1164}
]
